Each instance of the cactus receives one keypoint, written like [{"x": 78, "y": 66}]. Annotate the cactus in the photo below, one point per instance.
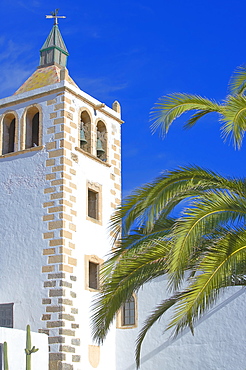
[
  {"x": 5, "y": 356},
  {"x": 29, "y": 349}
]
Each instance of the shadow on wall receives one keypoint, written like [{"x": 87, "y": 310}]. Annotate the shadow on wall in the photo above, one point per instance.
[{"x": 171, "y": 341}]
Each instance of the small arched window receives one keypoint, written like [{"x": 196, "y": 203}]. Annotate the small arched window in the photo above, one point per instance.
[
  {"x": 85, "y": 132},
  {"x": 101, "y": 147},
  {"x": 8, "y": 139},
  {"x": 129, "y": 312},
  {"x": 32, "y": 128}
]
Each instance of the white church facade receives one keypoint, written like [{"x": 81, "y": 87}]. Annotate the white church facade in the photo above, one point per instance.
[
  {"x": 60, "y": 178},
  {"x": 60, "y": 181}
]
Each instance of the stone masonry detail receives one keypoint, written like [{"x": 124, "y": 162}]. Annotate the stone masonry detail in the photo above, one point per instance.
[{"x": 60, "y": 212}]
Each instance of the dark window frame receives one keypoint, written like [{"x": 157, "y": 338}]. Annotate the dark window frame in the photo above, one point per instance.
[
  {"x": 129, "y": 312},
  {"x": 5, "y": 307}
]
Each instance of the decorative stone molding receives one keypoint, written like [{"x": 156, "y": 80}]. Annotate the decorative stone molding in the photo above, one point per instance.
[{"x": 94, "y": 355}]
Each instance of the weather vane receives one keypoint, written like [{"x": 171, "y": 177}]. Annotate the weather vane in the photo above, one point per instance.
[{"x": 55, "y": 16}]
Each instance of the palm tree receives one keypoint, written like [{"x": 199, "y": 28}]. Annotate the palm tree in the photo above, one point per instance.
[
  {"x": 203, "y": 248},
  {"x": 232, "y": 111}
]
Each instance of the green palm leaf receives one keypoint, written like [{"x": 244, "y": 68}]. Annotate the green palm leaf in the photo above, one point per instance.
[
  {"x": 132, "y": 271},
  {"x": 203, "y": 248},
  {"x": 237, "y": 84},
  {"x": 204, "y": 215},
  {"x": 217, "y": 271},
  {"x": 172, "y": 106},
  {"x": 148, "y": 203},
  {"x": 231, "y": 111},
  {"x": 234, "y": 119}
]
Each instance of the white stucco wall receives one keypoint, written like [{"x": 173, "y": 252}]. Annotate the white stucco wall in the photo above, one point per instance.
[
  {"x": 218, "y": 343},
  {"x": 16, "y": 342},
  {"x": 22, "y": 180},
  {"x": 22, "y": 184}
]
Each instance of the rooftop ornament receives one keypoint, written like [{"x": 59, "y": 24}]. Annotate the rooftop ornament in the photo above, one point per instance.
[{"x": 55, "y": 16}]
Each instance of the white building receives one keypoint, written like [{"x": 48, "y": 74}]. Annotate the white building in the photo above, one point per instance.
[{"x": 60, "y": 181}]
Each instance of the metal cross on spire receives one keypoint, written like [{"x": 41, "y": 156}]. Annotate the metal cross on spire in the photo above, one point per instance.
[{"x": 55, "y": 16}]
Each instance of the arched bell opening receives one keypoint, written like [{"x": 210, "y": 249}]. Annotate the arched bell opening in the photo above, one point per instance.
[
  {"x": 32, "y": 128},
  {"x": 85, "y": 132},
  {"x": 101, "y": 144},
  {"x": 9, "y": 131}
]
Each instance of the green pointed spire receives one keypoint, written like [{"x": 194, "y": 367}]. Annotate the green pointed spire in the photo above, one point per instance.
[{"x": 54, "y": 50}]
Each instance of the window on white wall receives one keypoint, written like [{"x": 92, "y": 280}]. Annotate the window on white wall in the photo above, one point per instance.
[
  {"x": 127, "y": 315},
  {"x": 92, "y": 269},
  {"x": 93, "y": 204},
  {"x": 101, "y": 144},
  {"x": 8, "y": 134},
  {"x": 6, "y": 315},
  {"x": 32, "y": 137},
  {"x": 85, "y": 132},
  {"x": 94, "y": 275},
  {"x": 128, "y": 312},
  {"x": 35, "y": 129}
]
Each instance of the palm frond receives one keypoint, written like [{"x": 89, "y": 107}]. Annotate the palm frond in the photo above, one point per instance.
[
  {"x": 148, "y": 203},
  {"x": 234, "y": 119},
  {"x": 218, "y": 270},
  {"x": 128, "y": 274},
  {"x": 172, "y": 106},
  {"x": 196, "y": 116},
  {"x": 203, "y": 216},
  {"x": 204, "y": 248},
  {"x": 237, "y": 83}
]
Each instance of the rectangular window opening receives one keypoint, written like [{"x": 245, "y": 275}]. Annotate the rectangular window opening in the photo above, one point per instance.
[
  {"x": 93, "y": 204},
  {"x": 6, "y": 315},
  {"x": 93, "y": 275},
  {"x": 128, "y": 312}
]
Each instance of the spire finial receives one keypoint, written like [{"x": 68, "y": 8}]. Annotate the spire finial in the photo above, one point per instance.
[
  {"x": 55, "y": 16},
  {"x": 54, "y": 50}
]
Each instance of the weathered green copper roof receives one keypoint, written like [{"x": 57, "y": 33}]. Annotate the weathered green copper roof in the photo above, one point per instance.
[{"x": 54, "y": 50}]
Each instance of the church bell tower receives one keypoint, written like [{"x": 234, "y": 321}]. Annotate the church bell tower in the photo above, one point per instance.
[{"x": 60, "y": 175}]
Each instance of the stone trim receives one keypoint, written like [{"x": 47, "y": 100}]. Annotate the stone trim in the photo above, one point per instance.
[
  {"x": 16, "y": 131},
  {"x": 60, "y": 226},
  {"x": 93, "y": 105},
  {"x": 92, "y": 157},
  {"x": 94, "y": 355},
  {"x": 33, "y": 149}
]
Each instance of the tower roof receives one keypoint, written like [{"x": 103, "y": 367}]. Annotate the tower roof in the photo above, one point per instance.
[
  {"x": 53, "y": 60},
  {"x": 55, "y": 40},
  {"x": 54, "y": 50},
  {"x": 43, "y": 77}
]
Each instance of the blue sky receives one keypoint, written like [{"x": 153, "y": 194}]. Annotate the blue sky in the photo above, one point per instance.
[{"x": 135, "y": 52}]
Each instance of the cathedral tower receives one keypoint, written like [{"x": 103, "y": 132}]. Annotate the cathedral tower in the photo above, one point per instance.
[{"x": 60, "y": 181}]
